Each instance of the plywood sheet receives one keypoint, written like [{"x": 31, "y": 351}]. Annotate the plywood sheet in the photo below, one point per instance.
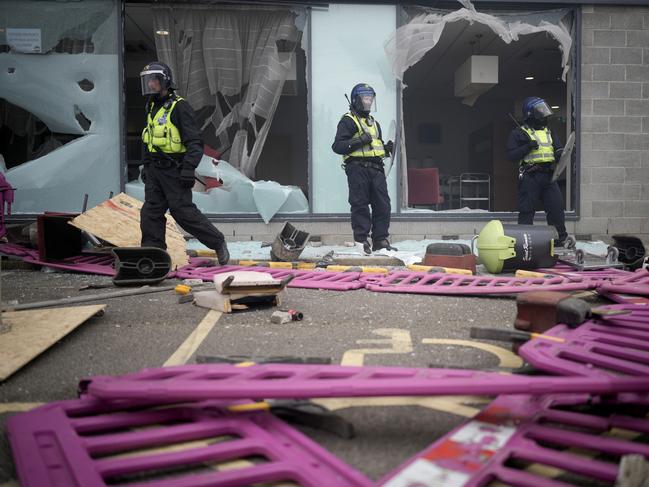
[
  {"x": 34, "y": 331},
  {"x": 117, "y": 221}
]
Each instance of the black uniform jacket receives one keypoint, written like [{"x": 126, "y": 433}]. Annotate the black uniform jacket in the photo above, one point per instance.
[{"x": 346, "y": 131}]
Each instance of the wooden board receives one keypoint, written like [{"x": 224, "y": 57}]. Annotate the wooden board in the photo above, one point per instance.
[
  {"x": 117, "y": 221},
  {"x": 34, "y": 331}
]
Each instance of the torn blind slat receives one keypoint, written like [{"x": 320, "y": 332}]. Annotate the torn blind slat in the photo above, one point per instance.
[{"x": 232, "y": 52}]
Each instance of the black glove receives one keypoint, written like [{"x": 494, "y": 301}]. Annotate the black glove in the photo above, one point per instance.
[
  {"x": 389, "y": 146},
  {"x": 532, "y": 145},
  {"x": 366, "y": 138},
  {"x": 143, "y": 173},
  {"x": 187, "y": 176}
]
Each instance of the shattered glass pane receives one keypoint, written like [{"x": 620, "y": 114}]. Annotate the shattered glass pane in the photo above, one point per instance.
[{"x": 82, "y": 152}]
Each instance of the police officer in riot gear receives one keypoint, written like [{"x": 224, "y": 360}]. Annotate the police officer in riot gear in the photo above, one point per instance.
[
  {"x": 173, "y": 150},
  {"x": 536, "y": 149},
  {"x": 359, "y": 141}
]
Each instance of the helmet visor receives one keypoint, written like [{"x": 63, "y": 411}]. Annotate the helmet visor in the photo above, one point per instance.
[
  {"x": 541, "y": 111},
  {"x": 367, "y": 102},
  {"x": 151, "y": 82}
]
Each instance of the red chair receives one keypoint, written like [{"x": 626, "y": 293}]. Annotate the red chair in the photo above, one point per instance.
[{"x": 423, "y": 187}]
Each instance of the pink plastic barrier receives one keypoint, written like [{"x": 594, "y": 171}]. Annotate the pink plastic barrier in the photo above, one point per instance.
[
  {"x": 617, "y": 345},
  {"x": 17, "y": 250},
  {"x": 83, "y": 442},
  {"x": 514, "y": 431},
  {"x": 440, "y": 283},
  {"x": 637, "y": 283},
  {"x": 101, "y": 264},
  {"x": 336, "y": 281},
  {"x": 222, "y": 381}
]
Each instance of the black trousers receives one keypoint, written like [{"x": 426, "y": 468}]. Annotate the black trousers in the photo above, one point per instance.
[
  {"x": 368, "y": 187},
  {"x": 535, "y": 186},
  {"x": 163, "y": 191}
]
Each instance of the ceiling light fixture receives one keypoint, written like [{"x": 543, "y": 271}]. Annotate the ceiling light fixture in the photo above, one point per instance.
[
  {"x": 162, "y": 32},
  {"x": 529, "y": 78},
  {"x": 555, "y": 107}
]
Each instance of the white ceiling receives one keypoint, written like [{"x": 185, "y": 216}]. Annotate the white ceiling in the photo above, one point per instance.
[{"x": 535, "y": 54}]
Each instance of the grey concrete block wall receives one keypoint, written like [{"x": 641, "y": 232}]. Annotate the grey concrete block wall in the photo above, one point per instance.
[{"x": 615, "y": 121}]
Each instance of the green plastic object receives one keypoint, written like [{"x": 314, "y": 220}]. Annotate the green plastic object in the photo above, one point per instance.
[{"x": 494, "y": 247}]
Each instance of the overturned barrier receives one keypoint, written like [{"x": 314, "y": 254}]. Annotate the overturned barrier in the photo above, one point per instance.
[
  {"x": 225, "y": 381},
  {"x": 335, "y": 281},
  {"x": 90, "y": 444},
  {"x": 440, "y": 283},
  {"x": 617, "y": 345},
  {"x": 514, "y": 433}
]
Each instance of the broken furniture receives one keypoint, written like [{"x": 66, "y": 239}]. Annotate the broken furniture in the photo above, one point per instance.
[
  {"x": 631, "y": 251},
  {"x": 423, "y": 187},
  {"x": 242, "y": 289},
  {"x": 57, "y": 239},
  {"x": 117, "y": 221},
  {"x": 289, "y": 244},
  {"x": 451, "y": 255},
  {"x": 138, "y": 266}
]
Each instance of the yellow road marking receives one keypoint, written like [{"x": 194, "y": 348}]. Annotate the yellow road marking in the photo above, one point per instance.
[
  {"x": 194, "y": 340},
  {"x": 398, "y": 340},
  {"x": 507, "y": 358},
  {"x": 448, "y": 404},
  {"x": 18, "y": 407}
]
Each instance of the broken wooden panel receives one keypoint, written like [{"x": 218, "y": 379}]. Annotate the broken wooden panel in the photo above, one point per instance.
[
  {"x": 117, "y": 221},
  {"x": 34, "y": 331}
]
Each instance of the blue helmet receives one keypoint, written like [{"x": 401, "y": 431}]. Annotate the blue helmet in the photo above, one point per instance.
[
  {"x": 536, "y": 109},
  {"x": 363, "y": 97}
]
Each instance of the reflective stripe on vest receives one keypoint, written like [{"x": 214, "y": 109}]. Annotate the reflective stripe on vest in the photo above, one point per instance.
[
  {"x": 374, "y": 148},
  {"x": 161, "y": 133},
  {"x": 545, "y": 152}
]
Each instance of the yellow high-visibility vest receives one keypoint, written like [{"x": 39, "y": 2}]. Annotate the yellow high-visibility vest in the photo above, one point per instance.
[
  {"x": 375, "y": 147},
  {"x": 545, "y": 151},
  {"x": 160, "y": 132}
]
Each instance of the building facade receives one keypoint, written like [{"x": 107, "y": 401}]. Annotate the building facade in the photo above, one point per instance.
[{"x": 269, "y": 105}]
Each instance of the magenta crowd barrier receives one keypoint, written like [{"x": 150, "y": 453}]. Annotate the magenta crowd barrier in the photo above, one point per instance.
[
  {"x": 440, "y": 283},
  {"x": 335, "y": 281},
  {"x": 101, "y": 264},
  {"x": 618, "y": 345},
  {"x": 637, "y": 284},
  {"x": 83, "y": 443},
  {"x": 600, "y": 275},
  {"x": 293, "y": 381},
  {"x": 516, "y": 431},
  {"x": 17, "y": 250}
]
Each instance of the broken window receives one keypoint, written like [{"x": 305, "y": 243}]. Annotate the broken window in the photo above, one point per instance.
[
  {"x": 243, "y": 70},
  {"x": 465, "y": 74},
  {"x": 59, "y": 105}
]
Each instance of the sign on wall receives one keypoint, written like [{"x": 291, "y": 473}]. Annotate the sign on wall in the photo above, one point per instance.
[{"x": 24, "y": 40}]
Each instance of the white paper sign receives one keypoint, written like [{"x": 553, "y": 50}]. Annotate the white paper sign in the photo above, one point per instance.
[{"x": 24, "y": 40}]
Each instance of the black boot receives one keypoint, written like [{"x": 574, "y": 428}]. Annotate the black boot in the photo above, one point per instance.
[
  {"x": 382, "y": 244},
  {"x": 222, "y": 253},
  {"x": 367, "y": 250}
]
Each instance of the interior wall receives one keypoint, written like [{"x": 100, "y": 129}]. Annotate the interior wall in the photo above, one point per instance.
[{"x": 285, "y": 155}]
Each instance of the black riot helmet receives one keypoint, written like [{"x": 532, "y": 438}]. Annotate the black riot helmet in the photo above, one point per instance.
[
  {"x": 363, "y": 99},
  {"x": 536, "y": 111},
  {"x": 155, "y": 78}
]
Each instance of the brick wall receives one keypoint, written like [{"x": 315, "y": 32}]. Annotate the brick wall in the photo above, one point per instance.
[{"x": 615, "y": 121}]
